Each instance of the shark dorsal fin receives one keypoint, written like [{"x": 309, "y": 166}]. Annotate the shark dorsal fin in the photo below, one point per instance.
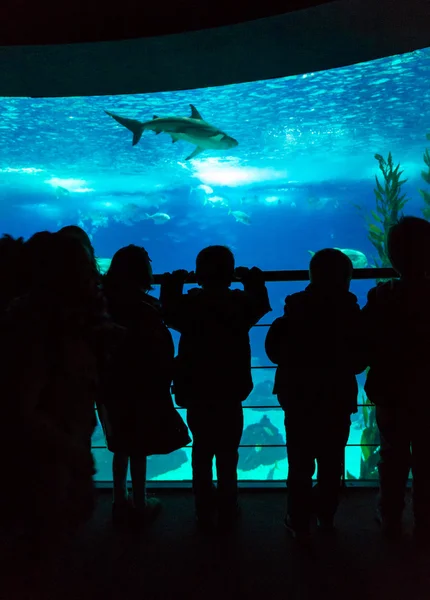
[
  {"x": 155, "y": 117},
  {"x": 195, "y": 113}
]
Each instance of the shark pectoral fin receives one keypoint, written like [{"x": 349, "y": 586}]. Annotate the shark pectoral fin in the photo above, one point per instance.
[
  {"x": 195, "y": 113},
  {"x": 174, "y": 138},
  {"x": 153, "y": 118},
  {"x": 218, "y": 137},
  {"x": 194, "y": 153}
]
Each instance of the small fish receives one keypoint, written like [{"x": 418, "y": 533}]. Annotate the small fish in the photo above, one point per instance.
[
  {"x": 218, "y": 200},
  {"x": 159, "y": 218},
  {"x": 240, "y": 216},
  {"x": 358, "y": 259},
  {"x": 61, "y": 192},
  {"x": 206, "y": 188}
]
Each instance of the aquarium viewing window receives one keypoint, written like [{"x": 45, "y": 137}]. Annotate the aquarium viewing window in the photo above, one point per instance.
[{"x": 275, "y": 169}]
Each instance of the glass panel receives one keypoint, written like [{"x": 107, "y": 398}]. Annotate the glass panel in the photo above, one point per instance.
[
  {"x": 361, "y": 287},
  {"x": 262, "y": 455},
  {"x": 98, "y": 438},
  {"x": 276, "y": 183},
  {"x": 300, "y": 178},
  {"x": 170, "y": 467},
  {"x": 362, "y": 453},
  {"x": 262, "y": 464},
  {"x": 262, "y": 396},
  {"x": 103, "y": 461},
  {"x": 361, "y": 463}
]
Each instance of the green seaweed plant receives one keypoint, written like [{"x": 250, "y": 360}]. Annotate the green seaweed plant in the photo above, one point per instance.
[
  {"x": 369, "y": 442},
  {"x": 389, "y": 203},
  {"x": 426, "y": 176}
]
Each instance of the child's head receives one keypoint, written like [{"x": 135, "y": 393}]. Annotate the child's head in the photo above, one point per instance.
[
  {"x": 330, "y": 268},
  {"x": 130, "y": 268},
  {"x": 215, "y": 266},
  {"x": 408, "y": 247}
]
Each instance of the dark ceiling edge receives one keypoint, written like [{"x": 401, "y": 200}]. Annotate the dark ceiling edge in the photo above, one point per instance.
[
  {"x": 326, "y": 36},
  {"x": 45, "y": 22}
]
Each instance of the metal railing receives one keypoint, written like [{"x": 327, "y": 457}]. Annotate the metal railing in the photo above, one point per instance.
[
  {"x": 303, "y": 275},
  {"x": 289, "y": 276}
]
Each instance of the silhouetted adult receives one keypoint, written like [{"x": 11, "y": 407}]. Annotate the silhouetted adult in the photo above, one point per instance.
[
  {"x": 11, "y": 269},
  {"x": 213, "y": 369},
  {"x": 81, "y": 235},
  {"x": 49, "y": 379},
  {"x": 397, "y": 327},
  {"x": 315, "y": 347}
]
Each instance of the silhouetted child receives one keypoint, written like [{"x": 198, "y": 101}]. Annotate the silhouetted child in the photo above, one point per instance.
[
  {"x": 213, "y": 370},
  {"x": 314, "y": 346},
  {"x": 397, "y": 326},
  {"x": 137, "y": 399}
]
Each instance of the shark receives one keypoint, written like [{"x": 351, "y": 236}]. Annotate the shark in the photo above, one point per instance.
[{"x": 193, "y": 129}]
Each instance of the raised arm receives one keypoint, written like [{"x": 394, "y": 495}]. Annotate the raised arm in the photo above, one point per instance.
[{"x": 258, "y": 303}]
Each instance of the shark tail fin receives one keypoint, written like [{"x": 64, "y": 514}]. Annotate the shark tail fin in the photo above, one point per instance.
[
  {"x": 147, "y": 216},
  {"x": 136, "y": 127}
]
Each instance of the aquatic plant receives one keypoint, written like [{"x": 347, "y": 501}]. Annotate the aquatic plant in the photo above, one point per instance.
[
  {"x": 390, "y": 201},
  {"x": 369, "y": 442},
  {"x": 426, "y": 176},
  {"x": 389, "y": 204}
]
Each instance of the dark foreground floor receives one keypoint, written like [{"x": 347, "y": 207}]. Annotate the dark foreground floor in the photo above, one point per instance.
[{"x": 173, "y": 561}]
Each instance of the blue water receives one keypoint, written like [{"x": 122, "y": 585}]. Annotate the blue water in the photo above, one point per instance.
[{"x": 305, "y": 158}]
